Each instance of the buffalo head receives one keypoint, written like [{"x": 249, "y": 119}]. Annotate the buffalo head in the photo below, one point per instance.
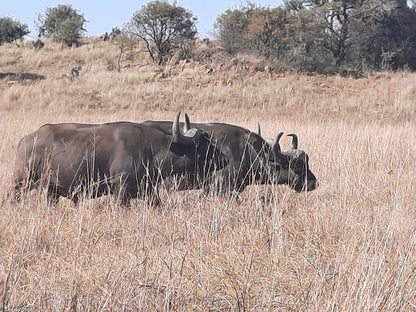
[
  {"x": 292, "y": 166},
  {"x": 200, "y": 148}
]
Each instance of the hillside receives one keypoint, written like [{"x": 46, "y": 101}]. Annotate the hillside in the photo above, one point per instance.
[{"x": 349, "y": 245}]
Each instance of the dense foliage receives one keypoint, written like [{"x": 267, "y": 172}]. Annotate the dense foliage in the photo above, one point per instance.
[
  {"x": 62, "y": 24},
  {"x": 163, "y": 27},
  {"x": 11, "y": 30},
  {"x": 325, "y": 36}
]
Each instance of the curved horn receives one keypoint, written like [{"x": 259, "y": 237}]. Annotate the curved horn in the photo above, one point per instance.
[
  {"x": 187, "y": 124},
  {"x": 258, "y": 129},
  {"x": 176, "y": 131},
  {"x": 294, "y": 141},
  {"x": 276, "y": 145}
]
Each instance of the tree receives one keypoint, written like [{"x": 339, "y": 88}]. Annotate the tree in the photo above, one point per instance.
[
  {"x": 344, "y": 20},
  {"x": 276, "y": 32},
  {"x": 387, "y": 41},
  {"x": 231, "y": 28},
  {"x": 325, "y": 36},
  {"x": 11, "y": 30},
  {"x": 163, "y": 27},
  {"x": 289, "y": 38},
  {"x": 62, "y": 24}
]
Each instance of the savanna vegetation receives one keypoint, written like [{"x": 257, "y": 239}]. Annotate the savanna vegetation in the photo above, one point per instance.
[
  {"x": 12, "y": 30},
  {"x": 348, "y": 245},
  {"x": 63, "y": 24},
  {"x": 326, "y": 37},
  {"x": 349, "y": 37}
]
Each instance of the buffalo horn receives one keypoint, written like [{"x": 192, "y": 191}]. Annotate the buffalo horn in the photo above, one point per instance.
[
  {"x": 176, "y": 132},
  {"x": 276, "y": 145},
  {"x": 258, "y": 129},
  {"x": 187, "y": 124},
  {"x": 294, "y": 141}
]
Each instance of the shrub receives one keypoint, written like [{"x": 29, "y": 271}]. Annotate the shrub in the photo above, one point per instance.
[
  {"x": 38, "y": 44},
  {"x": 62, "y": 24},
  {"x": 163, "y": 27},
  {"x": 11, "y": 30}
]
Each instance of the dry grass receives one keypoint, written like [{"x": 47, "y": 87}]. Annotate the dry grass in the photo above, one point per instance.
[{"x": 349, "y": 245}]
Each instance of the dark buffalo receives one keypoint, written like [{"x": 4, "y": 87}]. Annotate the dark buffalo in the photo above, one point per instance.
[
  {"x": 251, "y": 159},
  {"x": 126, "y": 159}
]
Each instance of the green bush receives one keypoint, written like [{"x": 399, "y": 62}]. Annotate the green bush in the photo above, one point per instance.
[
  {"x": 163, "y": 27},
  {"x": 11, "y": 30},
  {"x": 63, "y": 24},
  {"x": 38, "y": 44}
]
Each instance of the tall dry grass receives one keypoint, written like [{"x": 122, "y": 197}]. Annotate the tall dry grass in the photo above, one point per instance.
[{"x": 347, "y": 246}]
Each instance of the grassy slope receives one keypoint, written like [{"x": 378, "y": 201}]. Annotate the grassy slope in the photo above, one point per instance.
[{"x": 349, "y": 245}]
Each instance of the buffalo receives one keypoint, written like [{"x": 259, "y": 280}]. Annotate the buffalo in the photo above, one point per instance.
[
  {"x": 251, "y": 159},
  {"x": 125, "y": 159}
]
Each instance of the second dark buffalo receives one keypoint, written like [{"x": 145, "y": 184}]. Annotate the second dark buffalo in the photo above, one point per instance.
[{"x": 251, "y": 159}]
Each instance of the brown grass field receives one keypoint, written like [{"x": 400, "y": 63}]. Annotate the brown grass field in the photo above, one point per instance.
[{"x": 347, "y": 246}]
